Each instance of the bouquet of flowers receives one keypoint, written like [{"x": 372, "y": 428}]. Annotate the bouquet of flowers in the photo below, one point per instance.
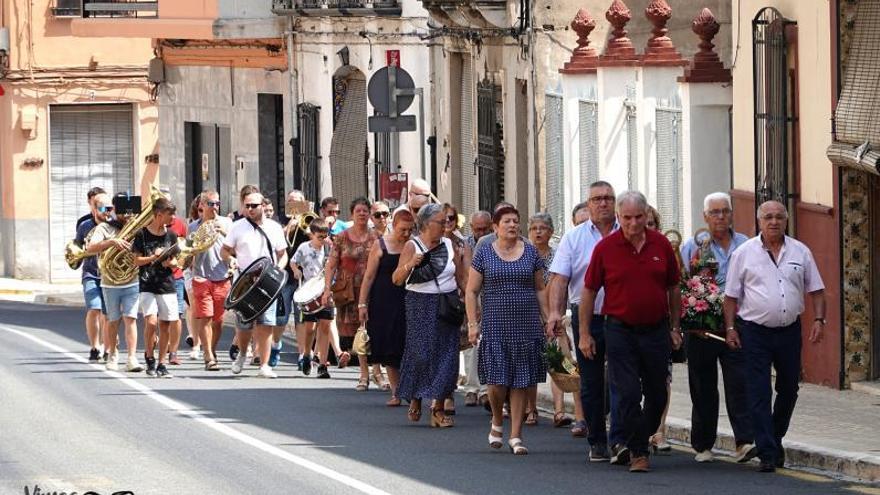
[{"x": 701, "y": 303}]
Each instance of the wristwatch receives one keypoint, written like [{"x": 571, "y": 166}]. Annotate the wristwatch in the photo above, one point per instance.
[
  {"x": 824, "y": 322},
  {"x": 730, "y": 329}
]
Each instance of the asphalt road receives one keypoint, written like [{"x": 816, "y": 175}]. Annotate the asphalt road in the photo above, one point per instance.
[{"x": 67, "y": 426}]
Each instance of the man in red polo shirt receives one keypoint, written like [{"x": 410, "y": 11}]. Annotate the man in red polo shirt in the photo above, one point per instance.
[{"x": 640, "y": 274}]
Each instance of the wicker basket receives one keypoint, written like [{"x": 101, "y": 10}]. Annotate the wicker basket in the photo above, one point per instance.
[{"x": 566, "y": 382}]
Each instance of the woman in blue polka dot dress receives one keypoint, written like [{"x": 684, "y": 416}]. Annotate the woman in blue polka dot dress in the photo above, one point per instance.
[{"x": 509, "y": 272}]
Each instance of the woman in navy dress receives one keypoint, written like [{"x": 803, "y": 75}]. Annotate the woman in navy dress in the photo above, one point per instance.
[
  {"x": 382, "y": 305},
  {"x": 429, "y": 369},
  {"x": 511, "y": 351}
]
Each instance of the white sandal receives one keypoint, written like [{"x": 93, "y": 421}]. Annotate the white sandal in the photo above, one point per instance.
[
  {"x": 496, "y": 442},
  {"x": 517, "y": 447}
]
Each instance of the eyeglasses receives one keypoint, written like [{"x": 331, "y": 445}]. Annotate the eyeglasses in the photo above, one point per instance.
[
  {"x": 380, "y": 214},
  {"x": 539, "y": 228},
  {"x": 251, "y": 206},
  {"x": 452, "y": 218},
  {"x": 105, "y": 209},
  {"x": 212, "y": 203},
  {"x": 719, "y": 213},
  {"x": 427, "y": 195},
  {"x": 599, "y": 199},
  {"x": 333, "y": 212}
]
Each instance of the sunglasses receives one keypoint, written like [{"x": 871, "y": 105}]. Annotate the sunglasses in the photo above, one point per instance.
[
  {"x": 333, "y": 212},
  {"x": 452, "y": 218},
  {"x": 251, "y": 206},
  {"x": 212, "y": 203},
  {"x": 380, "y": 214},
  {"x": 105, "y": 209}
]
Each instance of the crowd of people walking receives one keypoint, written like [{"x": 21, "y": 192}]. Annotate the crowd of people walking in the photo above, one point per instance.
[{"x": 409, "y": 295}]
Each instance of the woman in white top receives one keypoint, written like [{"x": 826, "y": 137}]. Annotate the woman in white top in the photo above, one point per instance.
[{"x": 429, "y": 368}]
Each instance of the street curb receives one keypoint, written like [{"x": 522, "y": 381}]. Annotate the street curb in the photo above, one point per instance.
[
  {"x": 838, "y": 463},
  {"x": 70, "y": 300}
]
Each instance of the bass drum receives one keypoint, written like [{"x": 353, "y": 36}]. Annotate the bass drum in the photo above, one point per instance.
[
  {"x": 308, "y": 296},
  {"x": 255, "y": 289}
]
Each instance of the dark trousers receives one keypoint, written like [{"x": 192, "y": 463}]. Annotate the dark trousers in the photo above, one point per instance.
[
  {"x": 637, "y": 364},
  {"x": 780, "y": 348},
  {"x": 703, "y": 356},
  {"x": 592, "y": 379}
]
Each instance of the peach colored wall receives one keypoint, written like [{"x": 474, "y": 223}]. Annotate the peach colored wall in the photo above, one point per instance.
[
  {"x": 26, "y": 191},
  {"x": 55, "y": 46},
  {"x": 189, "y": 9}
]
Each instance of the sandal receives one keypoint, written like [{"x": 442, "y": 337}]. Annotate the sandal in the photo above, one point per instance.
[
  {"x": 449, "y": 407},
  {"x": 439, "y": 419},
  {"x": 517, "y": 447},
  {"x": 496, "y": 442},
  {"x": 579, "y": 429},
  {"x": 362, "y": 385},
  {"x": 415, "y": 410},
  {"x": 393, "y": 402},
  {"x": 531, "y": 418},
  {"x": 343, "y": 359},
  {"x": 560, "y": 420},
  {"x": 380, "y": 381},
  {"x": 212, "y": 366}
]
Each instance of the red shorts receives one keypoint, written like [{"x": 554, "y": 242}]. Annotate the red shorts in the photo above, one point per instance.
[{"x": 208, "y": 298}]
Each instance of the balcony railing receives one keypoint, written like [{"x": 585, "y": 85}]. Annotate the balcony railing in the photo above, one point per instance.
[
  {"x": 106, "y": 8},
  {"x": 336, "y": 7}
]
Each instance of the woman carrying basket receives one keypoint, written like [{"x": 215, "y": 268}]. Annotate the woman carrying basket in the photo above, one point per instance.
[{"x": 509, "y": 272}]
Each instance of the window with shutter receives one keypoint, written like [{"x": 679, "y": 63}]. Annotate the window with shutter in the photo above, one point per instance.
[
  {"x": 669, "y": 175},
  {"x": 588, "y": 124},
  {"x": 89, "y": 145},
  {"x": 554, "y": 168}
]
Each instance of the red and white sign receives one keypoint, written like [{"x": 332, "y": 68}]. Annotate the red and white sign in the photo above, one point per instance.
[
  {"x": 392, "y": 58},
  {"x": 393, "y": 188}
]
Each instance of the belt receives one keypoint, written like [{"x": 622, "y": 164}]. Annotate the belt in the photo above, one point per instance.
[
  {"x": 636, "y": 328},
  {"x": 575, "y": 307}
]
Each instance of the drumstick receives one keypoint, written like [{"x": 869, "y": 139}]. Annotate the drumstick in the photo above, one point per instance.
[{"x": 711, "y": 335}]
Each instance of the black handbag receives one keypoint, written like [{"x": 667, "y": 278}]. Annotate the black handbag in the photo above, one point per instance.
[{"x": 450, "y": 307}]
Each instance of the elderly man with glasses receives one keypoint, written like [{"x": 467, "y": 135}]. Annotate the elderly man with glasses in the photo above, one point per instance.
[
  {"x": 764, "y": 297},
  {"x": 419, "y": 195},
  {"x": 704, "y": 353}
]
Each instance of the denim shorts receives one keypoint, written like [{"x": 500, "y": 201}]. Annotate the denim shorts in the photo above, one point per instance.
[
  {"x": 121, "y": 301},
  {"x": 286, "y": 306},
  {"x": 180, "y": 285},
  {"x": 92, "y": 294},
  {"x": 268, "y": 317}
]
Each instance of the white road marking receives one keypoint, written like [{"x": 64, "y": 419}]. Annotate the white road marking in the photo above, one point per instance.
[{"x": 210, "y": 422}]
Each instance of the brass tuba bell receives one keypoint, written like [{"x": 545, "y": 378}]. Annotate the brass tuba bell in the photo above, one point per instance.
[{"x": 117, "y": 265}]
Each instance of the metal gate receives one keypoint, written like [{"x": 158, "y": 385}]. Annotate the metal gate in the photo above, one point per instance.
[
  {"x": 555, "y": 166},
  {"x": 669, "y": 172},
  {"x": 306, "y": 170},
  {"x": 89, "y": 145},
  {"x": 773, "y": 119},
  {"x": 466, "y": 175},
  {"x": 588, "y": 139},
  {"x": 490, "y": 152}
]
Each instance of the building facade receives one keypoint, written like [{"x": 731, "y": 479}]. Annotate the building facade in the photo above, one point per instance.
[{"x": 76, "y": 113}]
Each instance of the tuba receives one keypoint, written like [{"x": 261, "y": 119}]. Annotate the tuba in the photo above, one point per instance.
[
  {"x": 117, "y": 265},
  {"x": 196, "y": 243},
  {"x": 74, "y": 254}
]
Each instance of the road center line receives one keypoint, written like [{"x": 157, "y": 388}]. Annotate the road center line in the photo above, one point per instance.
[{"x": 210, "y": 422}]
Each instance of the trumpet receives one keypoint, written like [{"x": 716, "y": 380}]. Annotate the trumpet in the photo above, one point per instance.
[{"x": 301, "y": 217}]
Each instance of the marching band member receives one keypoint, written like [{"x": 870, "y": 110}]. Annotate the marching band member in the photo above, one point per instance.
[
  {"x": 91, "y": 280},
  {"x": 158, "y": 292},
  {"x": 210, "y": 283},
  {"x": 307, "y": 263},
  {"x": 249, "y": 239}
]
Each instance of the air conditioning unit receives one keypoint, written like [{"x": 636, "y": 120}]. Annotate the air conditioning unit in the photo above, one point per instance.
[{"x": 67, "y": 8}]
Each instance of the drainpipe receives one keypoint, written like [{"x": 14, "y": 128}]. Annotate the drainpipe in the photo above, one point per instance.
[{"x": 292, "y": 101}]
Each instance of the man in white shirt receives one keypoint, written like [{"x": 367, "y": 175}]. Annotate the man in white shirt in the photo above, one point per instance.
[
  {"x": 764, "y": 297},
  {"x": 570, "y": 266},
  {"x": 251, "y": 238}
]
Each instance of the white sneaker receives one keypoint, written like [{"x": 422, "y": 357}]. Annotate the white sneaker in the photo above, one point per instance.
[
  {"x": 266, "y": 372},
  {"x": 704, "y": 456},
  {"x": 745, "y": 452},
  {"x": 112, "y": 362},
  {"x": 195, "y": 354},
  {"x": 238, "y": 365},
  {"x": 133, "y": 366}
]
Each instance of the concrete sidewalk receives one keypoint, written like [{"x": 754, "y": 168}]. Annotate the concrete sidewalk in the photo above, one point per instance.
[
  {"x": 835, "y": 431},
  {"x": 67, "y": 293}
]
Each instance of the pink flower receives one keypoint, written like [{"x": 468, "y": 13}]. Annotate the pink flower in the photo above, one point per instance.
[
  {"x": 713, "y": 288},
  {"x": 692, "y": 301},
  {"x": 693, "y": 282},
  {"x": 701, "y": 306}
]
